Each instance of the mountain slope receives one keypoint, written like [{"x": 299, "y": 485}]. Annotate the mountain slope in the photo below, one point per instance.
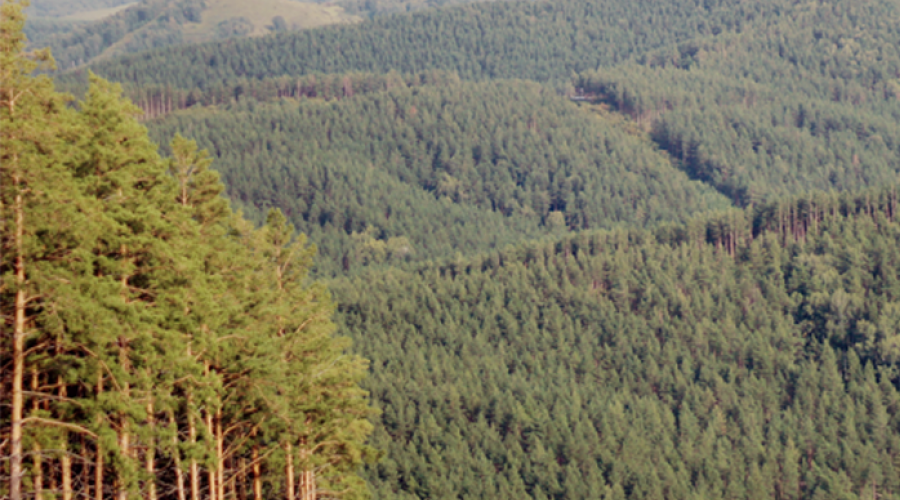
[
  {"x": 153, "y": 24},
  {"x": 516, "y": 351},
  {"x": 746, "y": 355},
  {"x": 451, "y": 167},
  {"x": 761, "y": 116},
  {"x": 543, "y": 41}
]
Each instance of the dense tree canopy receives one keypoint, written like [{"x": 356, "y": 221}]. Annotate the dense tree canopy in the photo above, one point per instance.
[
  {"x": 592, "y": 248},
  {"x": 424, "y": 172},
  {"x": 153, "y": 343},
  {"x": 543, "y": 41},
  {"x": 741, "y": 355}
]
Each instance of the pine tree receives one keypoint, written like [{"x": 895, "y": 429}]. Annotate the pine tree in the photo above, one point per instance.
[{"x": 40, "y": 212}]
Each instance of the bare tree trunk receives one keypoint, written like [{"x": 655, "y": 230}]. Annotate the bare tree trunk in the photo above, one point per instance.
[
  {"x": 195, "y": 472},
  {"x": 220, "y": 454},
  {"x": 289, "y": 470},
  {"x": 307, "y": 477},
  {"x": 150, "y": 455},
  {"x": 86, "y": 493},
  {"x": 124, "y": 432},
  {"x": 65, "y": 460},
  {"x": 308, "y": 485},
  {"x": 37, "y": 469},
  {"x": 211, "y": 473},
  {"x": 98, "y": 471},
  {"x": 242, "y": 479},
  {"x": 18, "y": 354},
  {"x": 125, "y": 448},
  {"x": 257, "y": 480},
  {"x": 54, "y": 486},
  {"x": 232, "y": 484},
  {"x": 176, "y": 454}
]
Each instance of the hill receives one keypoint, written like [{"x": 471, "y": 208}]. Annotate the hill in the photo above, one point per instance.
[
  {"x": 71, "y": 8},
  {"x": 49, "y": 18},
  {"x": 555, "y": 296},
  {"x": 762, "y": 117},
  {"x": 748, "y": 354},
  {"x": 544, "y": 41},
  {"x": 436, "y": 168},
  {"x": 152, "y": 24}
]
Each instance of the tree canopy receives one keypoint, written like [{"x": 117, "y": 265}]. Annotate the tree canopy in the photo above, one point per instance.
[{"x": 154, "y": 343}]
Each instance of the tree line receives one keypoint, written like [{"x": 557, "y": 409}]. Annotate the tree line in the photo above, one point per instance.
[{"x": 158, "y": 101}]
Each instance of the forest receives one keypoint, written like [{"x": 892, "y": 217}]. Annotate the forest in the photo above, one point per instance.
[
  {"x": 570, "y": 249},
  {"x": 155, "y": 344}
]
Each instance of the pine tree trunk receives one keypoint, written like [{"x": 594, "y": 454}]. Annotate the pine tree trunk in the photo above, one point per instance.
[
  {"x": 54, "y": 486},
  {"x": 220, "y": 454},
  {"x": 66, "y": 460},
  {"x": 151, "y": 455},
  {"x": 18, "y": 354},
  {"x": 176, "y": 454},
  {"x": 125, "y": 449},
  {"x": 257, "y": 480},
  {"x": 211, "y": 473},
  {"x": 98, "y": 470},
  {"x": 85, "y": 460},
  {"x": 125, "y": 363},
  {"x": 307, "y": 477},
  {"x": 242, "y": 479},
  {"x": 98, "y": 474},
  {"x": 289, "y": 471},
  {"x": 308, "y": 485},
  {"x": 37, "y": 473},
  {"x": 232, "y": 484},
  {"x": 195, "y": 472}
]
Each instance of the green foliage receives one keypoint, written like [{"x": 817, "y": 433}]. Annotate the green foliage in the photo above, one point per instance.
[
  {"x": 428, "y": 171},
  {"x": 517, "y": 352},
  {"x": 160, "y": 332},
  {"x": 724, "y": 357},
  {"x": 760, "y": 118},
  {"x": 544, "y": 41},
  {"x": 146, "y": 25}
]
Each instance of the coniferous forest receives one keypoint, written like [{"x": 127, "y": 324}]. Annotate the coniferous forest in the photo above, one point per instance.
[{"x": 523, "y": 249}]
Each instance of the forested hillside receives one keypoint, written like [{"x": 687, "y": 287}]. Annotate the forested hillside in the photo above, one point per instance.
[
  {"x": 149, "y": 24},
  {"x": 746, "y": 354},
  {"x": 544, "y": 41},
  {"x": 592, "y": 248},
  {"x": 758, "y": 115},
  {"x": 435, "y": 169},
  {"x": 48, "y": 18}
]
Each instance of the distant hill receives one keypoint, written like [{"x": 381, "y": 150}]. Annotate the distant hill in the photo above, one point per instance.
[
  {"x": 67, "y": 8},
  {"x": 85, "y": 35},
  {"x": 543, "y": 41}
]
